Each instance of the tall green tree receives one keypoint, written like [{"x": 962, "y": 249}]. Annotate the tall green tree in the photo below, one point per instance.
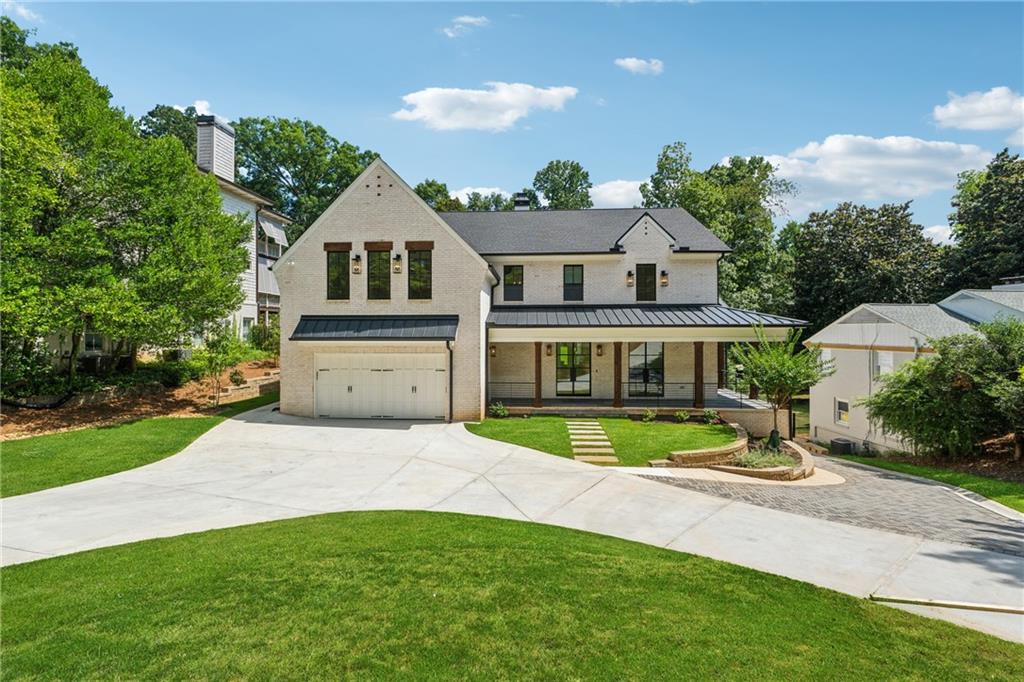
[
  {"x": 988, "y": 224},
  {"x": 164, "y": 120},
  {"x": 855, "y": 254},
  {"x": 437, "y": 196},
  {"x": 494, "y": 201},
  {"x": 565, "y": 185},
  {"x": 297, "y": 163},
  {"x": 737, "y": 200}
]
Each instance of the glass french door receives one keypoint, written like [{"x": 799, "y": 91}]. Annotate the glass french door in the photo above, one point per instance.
[
  {"x": 647, "y": 369},
  {"x": 572, "y": 369}
]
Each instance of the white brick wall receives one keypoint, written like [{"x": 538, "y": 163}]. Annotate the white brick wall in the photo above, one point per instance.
[{"x": 379, "y": 206}]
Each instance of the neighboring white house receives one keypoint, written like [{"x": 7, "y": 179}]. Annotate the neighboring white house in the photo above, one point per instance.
[
  {"x": 390, "y": 309},
  {"x": 875, "y": 338}
]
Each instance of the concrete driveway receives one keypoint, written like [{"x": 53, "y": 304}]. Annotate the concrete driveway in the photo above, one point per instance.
[{"x": 263, "y": 466}]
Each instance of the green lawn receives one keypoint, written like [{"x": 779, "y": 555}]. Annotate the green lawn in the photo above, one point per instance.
[
  {"x": 419, "y": 595},
  {"x": 635, "y": 443},
  {"x": 58, "y": 459},
  {"x": 1004, "y": 492}
]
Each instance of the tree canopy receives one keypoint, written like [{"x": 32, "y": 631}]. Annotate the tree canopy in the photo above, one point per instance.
[
  {"x": 564, "y": 184},
  {"x": 437, "y": 196},
  {"x": 164, "y": 120},
  {"x": 297, "y": 163}
]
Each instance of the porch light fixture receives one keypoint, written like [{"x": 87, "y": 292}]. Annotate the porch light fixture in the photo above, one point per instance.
[
  {"x": 357, "y": 264},
  {"x": 600, "y": 350},
  {"x": 547, "y": 350},
  {"x": 493, "y": 350},
  {"x": 664, "y": 278},
  {"x": 630, "y": 278},
  {"x": 396, "y": 263}
]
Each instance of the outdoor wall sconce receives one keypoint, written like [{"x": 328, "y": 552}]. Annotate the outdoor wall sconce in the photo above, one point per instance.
[
  {"x": 630, "y": 278},
  {"x": 357, "y": 264},
  {"x": 600, "y": 350},
  {"x": 396, "y": 264},
  {"x": 493, "y": 350},
  {"x": 547, "y": 350},
  {"x": 664, "y": 278}
]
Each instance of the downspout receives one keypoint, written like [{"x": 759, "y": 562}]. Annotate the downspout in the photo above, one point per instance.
[
  {"x": 451, "y": 381},
  {"x": 487, "y": 345},
  {"x": 256, "y": 247}
]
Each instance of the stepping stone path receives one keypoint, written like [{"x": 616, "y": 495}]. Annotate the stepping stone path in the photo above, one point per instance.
[{"x": 589, "y": 442}]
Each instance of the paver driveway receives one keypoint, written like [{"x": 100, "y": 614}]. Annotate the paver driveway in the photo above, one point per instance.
[{"x": 263, "y": 466}]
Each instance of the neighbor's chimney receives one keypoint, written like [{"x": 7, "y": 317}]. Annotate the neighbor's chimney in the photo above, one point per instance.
[
  {"x": 521, "y": 201},
  {"x": 215, "y": 147}
]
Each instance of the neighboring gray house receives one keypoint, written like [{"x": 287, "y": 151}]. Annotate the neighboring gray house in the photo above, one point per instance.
[
  {"x": 875, "y": 338},
  {"x": 390, "y": 309}
]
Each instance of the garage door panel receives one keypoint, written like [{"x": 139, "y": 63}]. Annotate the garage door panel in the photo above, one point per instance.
[{"x": 381, "y": 385}]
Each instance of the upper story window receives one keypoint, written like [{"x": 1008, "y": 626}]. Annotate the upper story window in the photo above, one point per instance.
[
  {"x": 272, "y": 249},
  {"x": 513, "y": 281},
  {"x": 646, "y": 282},
  {"x": 337, "y": 275},
  {"x": 420, "y": 274},
  {"x": 572, "y": 282},
  {"x": 378, "y": 275},
  {"x": 882, "y": 362}
]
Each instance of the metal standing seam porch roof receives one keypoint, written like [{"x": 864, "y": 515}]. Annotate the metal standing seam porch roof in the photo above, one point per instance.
[
  {"x": 682, "y": 315},
  {"x": 376, "y": 327}
]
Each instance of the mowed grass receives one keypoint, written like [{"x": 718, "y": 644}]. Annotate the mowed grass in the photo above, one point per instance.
[
  {"x": 635, "y": 443},
  {"x": 420, "y": 595},
  {"x": 58, "y": 459},
  {"x": 1004, "y": 492}
]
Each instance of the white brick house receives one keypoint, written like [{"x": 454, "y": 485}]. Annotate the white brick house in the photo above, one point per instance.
[{"x": 390, "y": 309}]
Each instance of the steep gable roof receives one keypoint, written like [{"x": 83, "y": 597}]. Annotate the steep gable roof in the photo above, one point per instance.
[{"x": 593, "y": 230}]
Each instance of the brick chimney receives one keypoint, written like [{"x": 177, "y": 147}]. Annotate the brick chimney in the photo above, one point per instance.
[
  {"x": 521, "y": 201},
  {"x": 215, "y": 147}
]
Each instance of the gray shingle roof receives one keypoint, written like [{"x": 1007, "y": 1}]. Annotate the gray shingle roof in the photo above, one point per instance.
[
  {"x": 696, "y": 315},
  {"x": 927, "y": 318},
  {"x": 593, "y": 230},
  {"x": 1007, "y": 297},
  {"x": 374, "y": 327}
]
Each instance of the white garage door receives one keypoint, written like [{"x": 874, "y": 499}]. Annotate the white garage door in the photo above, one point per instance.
[{"x": 381, "y": 385}]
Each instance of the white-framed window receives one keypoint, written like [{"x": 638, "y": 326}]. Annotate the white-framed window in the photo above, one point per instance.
[
  {"x": 826, "y": 354},
  {"x": 247, "y": 323},
  {"x": 881, "y": 363},
  {"x": 93, "y": 342},
  {"x": 842, "y": 416}
]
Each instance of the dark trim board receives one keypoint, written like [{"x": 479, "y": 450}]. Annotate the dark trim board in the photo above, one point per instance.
[{"x": 393, "y": 328}]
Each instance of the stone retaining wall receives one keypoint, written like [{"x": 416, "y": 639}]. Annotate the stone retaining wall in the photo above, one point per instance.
[
  {"x": 702, "y": 458},
  {"x": 794, "y": 473}
]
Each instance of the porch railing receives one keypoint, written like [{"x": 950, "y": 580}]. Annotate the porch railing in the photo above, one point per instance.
[
  {"x": 512, "y": 392},
  {"x": 634, "y": 394}
]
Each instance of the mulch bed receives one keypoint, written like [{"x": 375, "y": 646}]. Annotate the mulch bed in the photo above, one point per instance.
[
  {"x": 995, "y": 462},
  {"x": 192, "y": 400}
]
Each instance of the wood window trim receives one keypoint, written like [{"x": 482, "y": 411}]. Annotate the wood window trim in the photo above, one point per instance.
[
  {"x": 419, "y": 246},
  {"x": 377, "y": 246},
  {"x": 337, "y": 246}
]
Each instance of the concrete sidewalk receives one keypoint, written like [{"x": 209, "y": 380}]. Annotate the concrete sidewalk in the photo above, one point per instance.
[{"x": 264, "y": 466}]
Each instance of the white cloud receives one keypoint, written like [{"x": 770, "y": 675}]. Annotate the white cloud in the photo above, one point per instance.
[
  {"x": 869, "y": 169},
  {"x": 464, "y": 24},
  {"x": 940, "y": 234},
  {"x": 617, "y": 194},
  {"x": 495, "y": 109},
  {"x": 202, "y": 107},
  {"x": 463, "y": 194},
  {"x": 11, "y": 7},
  {"x": 998, "y": 109},
  {"x": 643, "y": 67}
]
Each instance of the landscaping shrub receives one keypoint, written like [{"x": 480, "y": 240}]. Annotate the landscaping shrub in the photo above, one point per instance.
[
  {"x": 236, "y": 377},
  {"x": 497, "y": 410},
  {"x": 266, "y": 337},
  {"x": 172, "y": 374},
  {"x": 761, "y": 457},
  {"x": 649, "y": 416},
  {"x": 682, "y": 416},
  {"x": 712, "y": 417}
]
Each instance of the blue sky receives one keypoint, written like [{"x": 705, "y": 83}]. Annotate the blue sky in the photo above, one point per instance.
[{"x": 868, "y": 102}]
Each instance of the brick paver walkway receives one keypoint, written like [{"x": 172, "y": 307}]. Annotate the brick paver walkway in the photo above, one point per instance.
[{"x": 879, "y": 499}]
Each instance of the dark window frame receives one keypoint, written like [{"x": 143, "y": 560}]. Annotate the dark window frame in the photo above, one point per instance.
[
  {"x": 575, "y": 353},
  {"x": 649, "y": 379},
  {"x": 646, "y": 282},
  {"x": 512, "y": 292},
  {"x": 418, "y": 258},
  {"x": 344, "y": 291},
  {"x": 572, "y": 291},
  {"x": 378, "y": 290}
]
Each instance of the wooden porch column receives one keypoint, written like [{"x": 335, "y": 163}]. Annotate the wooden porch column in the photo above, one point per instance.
[
  {"x": 537, "y": 402},
  {"x": 721, "y": 364},
  {"x": 617, "y": 400},
  {"x": 698, "y": 374}
]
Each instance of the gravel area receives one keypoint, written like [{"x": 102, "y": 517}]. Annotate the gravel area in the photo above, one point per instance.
[{"x": 879, "y": 499}]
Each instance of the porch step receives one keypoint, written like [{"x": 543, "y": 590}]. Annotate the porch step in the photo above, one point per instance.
[
  {"x": 597, "y": 459},
  {"x": 593, "y": 451},
  {"x": 588, "y": 436},
  {"x": 590, "y": 444}
]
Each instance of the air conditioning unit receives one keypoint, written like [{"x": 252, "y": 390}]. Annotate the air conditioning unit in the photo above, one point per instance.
[{"x": 841, "y": 446}]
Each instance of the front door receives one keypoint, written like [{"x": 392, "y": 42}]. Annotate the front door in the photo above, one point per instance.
[
  {"x": 647, "y": 369},
  {"x": 572, "y": 369}
]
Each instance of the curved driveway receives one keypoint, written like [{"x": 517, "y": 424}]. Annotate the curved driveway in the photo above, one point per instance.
[{"x": 263, "y": 466}]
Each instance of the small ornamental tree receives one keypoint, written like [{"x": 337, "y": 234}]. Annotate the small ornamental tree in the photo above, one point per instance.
[
  {"x": 781, "y": 370},
  {"x": 223, "y": 350}
]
